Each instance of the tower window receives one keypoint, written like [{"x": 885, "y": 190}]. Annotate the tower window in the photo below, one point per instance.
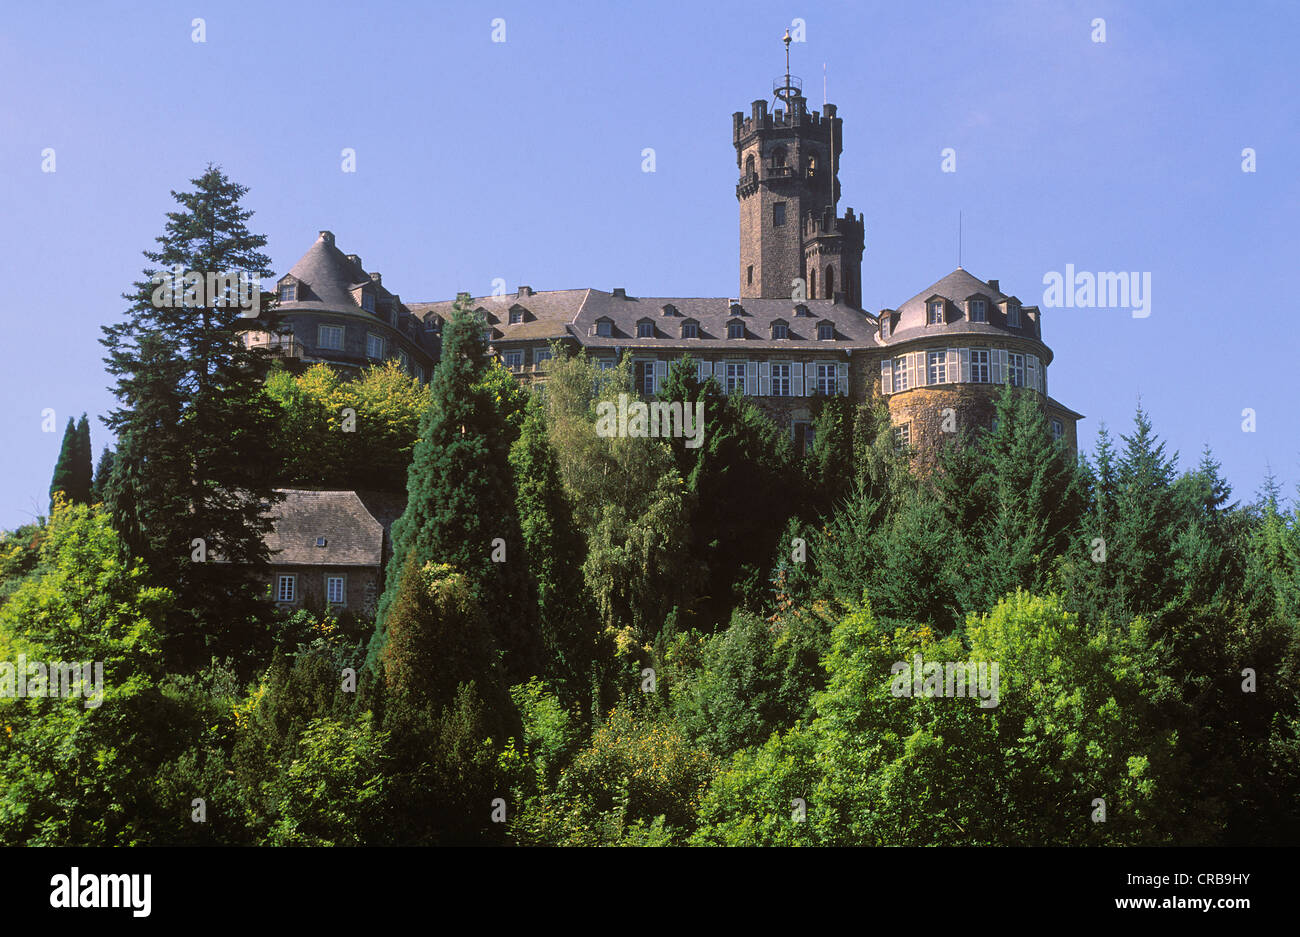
[
  {"x": 825, "y": 332},
  {"x": 812, "y": 167},
  {"x": 374, "y": 346},
  {"x": 735, "y": 329},
  {"x": 1016, "y": 370},
  {"x": 979, "y": 365},
  {"x": 778, "y": 157},
  {"x": 812, "y": 283},
  {"x": 749, "y": 275},
  {"x": 749, "y": 165},
  {"x": 778, "y": 214},
  {"x": 937, "y": 362},
  {"x": 936, "y": 313},
  {"x": 830, "y": 282},
  {"x": 902, "y": 437},
  {"x": 330, "y": 336}
]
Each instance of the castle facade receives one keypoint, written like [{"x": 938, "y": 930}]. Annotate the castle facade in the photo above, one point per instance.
[{"x": 795, "y": 330}]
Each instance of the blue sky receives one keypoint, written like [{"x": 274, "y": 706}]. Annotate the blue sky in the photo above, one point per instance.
[{"x": 522, "y": 160}]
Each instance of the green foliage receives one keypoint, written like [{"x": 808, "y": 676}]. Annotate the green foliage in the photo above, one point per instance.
[
  {"x": 72, "y": 471},
  {"x": 555, "y": 550},
  {"x": 196, "y": 430},
  {"x": 461, "y": 499},
  {"x": 323, "y": 448},
  {"x": 79, "y": 769}
]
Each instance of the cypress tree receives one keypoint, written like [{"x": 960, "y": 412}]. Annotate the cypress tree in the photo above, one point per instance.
[
  {"x": 196, "y": 431},
  {"x": 63, "y": 468},
  {"x": 460, "y": 507},
  {"x": 82, "y": 478},
  {"x": 555, "y": 549}
]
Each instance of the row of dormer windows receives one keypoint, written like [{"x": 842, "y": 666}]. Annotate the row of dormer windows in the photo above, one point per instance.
[
  {"x": 735, "y": 329},
  {"x": 976, "y": 311}
]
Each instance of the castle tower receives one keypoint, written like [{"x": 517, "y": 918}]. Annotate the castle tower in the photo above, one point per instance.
[{"x": 788, "y": 194}]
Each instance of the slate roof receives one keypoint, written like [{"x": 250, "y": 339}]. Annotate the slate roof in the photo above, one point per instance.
[
  {"x": 353, "y": 536},
  {"x": 572, "y": 314},
  {"x": 327, "y": 278},
  {"x": 909, "y": 320}
]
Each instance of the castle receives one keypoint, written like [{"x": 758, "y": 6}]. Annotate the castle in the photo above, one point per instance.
[{"x": 794, "y": 332}]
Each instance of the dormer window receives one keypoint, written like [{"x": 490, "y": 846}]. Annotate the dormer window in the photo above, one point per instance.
[
  {"x": 825, "y": 332},
  {"x": 288, "y": 292},
  {"x": 780, "y": 330},
  {"x": 884, "y": 326},
  {"x": 690, "y": 330},
  {"x": 368, "y": 301},
  {"x": 935, "y": 315},
  {"x": 516, "y": 315},
  {"x": 604, "y": 328},
  {"x": 321, "y": 541},
  {"x": 735, "y": 329},
  {"x": 978, "y": 313},
  {"x": 801, "y": 310},
  {"x": 1013, "y": 316},
  {"x": 645, "y": 329},
  {"x": 736, "y": 310},
  {"x": 669, "y": 309}
]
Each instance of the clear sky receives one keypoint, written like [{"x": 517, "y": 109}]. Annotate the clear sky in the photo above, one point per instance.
[{"x": 523, "y": 160}]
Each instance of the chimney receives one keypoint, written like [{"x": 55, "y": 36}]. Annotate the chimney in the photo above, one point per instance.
[
  {"x": 524, "y": 291},
  {"x": 355, "y": 260},
  {"x": 620, "y": 292},
  {"x": 377, "y": 279},
  {"x": 993, "y": 285},
  {"x": 327, "y": 237}
]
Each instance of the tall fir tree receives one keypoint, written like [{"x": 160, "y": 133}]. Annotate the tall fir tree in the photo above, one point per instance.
[
  {"x": 460, "y": 507},
  {"x": 555, "y": 549},
  {"x": 103, "y": 471},
  {"x": 197, "y": 456}
]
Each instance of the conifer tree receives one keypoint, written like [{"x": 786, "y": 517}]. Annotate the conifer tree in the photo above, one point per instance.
[
  {"x": 103, "y": 471},
  {"x": 63, "y": 468},
  {"x": 196, "y": 430},
  {"x": 460, "y": 507},
  {"x": 555, "y": 549}
]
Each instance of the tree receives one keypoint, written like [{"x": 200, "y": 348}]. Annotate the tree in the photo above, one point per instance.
[
  {"x": 103, "y": 472},
  {"x": 461, "y": 507},
  {"x": 78, "y": 769},
  {"x": 72, "y": 472},
  {"x": 323, "y": 446},
  {"x": 196, "y": 429},
  {"x": 555, "y": 550}
]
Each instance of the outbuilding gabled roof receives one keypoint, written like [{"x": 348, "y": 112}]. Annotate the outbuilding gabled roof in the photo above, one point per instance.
[{"x": 352, "y": 534}]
